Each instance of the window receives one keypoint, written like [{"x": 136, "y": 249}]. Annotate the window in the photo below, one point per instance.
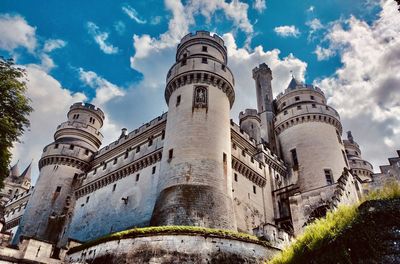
[
  {"x": 313, "y": 106},
  {"x": 126, "y": 154},
  {"x": 254, "y": 189},
  {"x": 56, "y": 146},
  {"x": 338, "y": 136},
  {"x": 163, "y": 135},
  {"x": 114, "y": 187},
  {"x": 344, "y": 157},
  {"x": 138, "y": 149},
  {"x": 252, "y": 160},
  {"x": 153, "y": 170},
  {"x": 244, "y": 153},
  {"x": 297, "y": 98},
  {"x": 223, "y": 67},
  {"x": 312, "y": 97},
  {"x": 137, "y": 177},
  {"x": 178, "y": 100},
  {"x": 150, "y": 141},
  {"x": 71, "y": 146},
  {"x": 58, "y": 189},
  {"x": 170, "y": 154},
  {"x": 115, "y": 161},
  {"x": 94, "y": 172},
  {"x": 294, "y": 159},
  {"x": 204, "y": 49},
  {"x": 104, "y": 166},
  {"x": 328, "y": 176},
  {"x": 233, "y": 145},
  {"x": 299, "y": 107},
  {"x": 235, "y": 177},
  {"x": 87, "y": 199},
  {"x": 204, "y": 60},
  {"x": 224, "y": 157},
  {"x": 183, "y": 62},
  {"x": 86, "y": 152}
]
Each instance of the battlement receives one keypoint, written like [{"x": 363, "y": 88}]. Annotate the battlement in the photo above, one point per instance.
[
  {"x": 87, "y": 106},
  {"x": 261, "y": 68},
  {"x": 249, "y": 113},
  {"x": 202, "y": 34},
  {"x": 299, "y": 87}
]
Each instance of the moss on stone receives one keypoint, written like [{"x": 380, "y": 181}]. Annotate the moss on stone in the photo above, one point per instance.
[
  {"x": 331, "y": 239},
  {"x": 171, "y": 230}
]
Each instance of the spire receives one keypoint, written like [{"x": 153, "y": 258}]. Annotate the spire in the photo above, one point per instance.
[
  {"x": 27, "y": 172},
  {"x": 293, "y": 83},
  {"x": 14, "y": 171}
]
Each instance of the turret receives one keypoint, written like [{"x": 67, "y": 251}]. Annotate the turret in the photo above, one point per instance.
[
  {"x": 262, "y": 76},
  {"x": 75, "y": 142},
  {"x": 250, "y": 123},
  {"x": 358, "y": 166},
  {"x": 195, "y": 175},
  {"x": 309, "y": 132}
]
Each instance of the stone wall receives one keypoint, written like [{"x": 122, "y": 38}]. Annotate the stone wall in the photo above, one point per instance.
[{"x": 174, "y": 249}]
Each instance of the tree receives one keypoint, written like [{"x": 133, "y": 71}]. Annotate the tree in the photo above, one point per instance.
[{"x": 14, "y": 111}]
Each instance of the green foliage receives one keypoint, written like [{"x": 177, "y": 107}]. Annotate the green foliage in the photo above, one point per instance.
[
  {"x": 14, "y": 110},
  {"x": 170, "y": 230},
  {"x": 325, "y": 230}
]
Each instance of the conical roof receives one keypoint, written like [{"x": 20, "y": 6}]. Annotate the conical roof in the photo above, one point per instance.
[
  {"x": 14, "y": 171},
  {"x": 293, "y": 84},
  {"x": 27, "y": 172}
]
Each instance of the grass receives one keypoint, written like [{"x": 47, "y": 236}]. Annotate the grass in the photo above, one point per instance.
[
  {"x": 325, "y": 230},
  {"x": 170, "y": 230}
]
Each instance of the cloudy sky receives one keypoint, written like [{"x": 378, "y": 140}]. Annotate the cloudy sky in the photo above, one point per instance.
[{"x": 115, "y": 54}]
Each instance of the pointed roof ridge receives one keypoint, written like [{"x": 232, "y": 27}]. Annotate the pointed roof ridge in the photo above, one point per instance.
[
  {"x": 293, "y": 83},
  {"x": 27, "y": 172},
  {"x": 14, "y": 171}
]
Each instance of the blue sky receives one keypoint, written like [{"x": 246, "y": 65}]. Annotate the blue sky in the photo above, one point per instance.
[{"x": 116, "y": 54}]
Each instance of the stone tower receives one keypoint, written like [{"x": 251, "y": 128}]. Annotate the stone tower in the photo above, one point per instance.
[
  {"x": 250, "y": 123},
  {"x": 262, "y": 76},
  {"x": 195, "y": 174},
  {"x": 62, "y": 161},
  {"x": 309, "y": 132}
]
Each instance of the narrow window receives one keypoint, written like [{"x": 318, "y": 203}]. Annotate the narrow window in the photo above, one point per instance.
[
  {"x": 71, "y": 146},
  {"x": 115, "y": 161},
  {"x": 183, "y": 62},
  {"x": 297, "y": 98},
  {"x": 56, "y": 146},
  {"x": 338, "y": 137},
  {"x": 299, "y": 107},
  {"x": 252, "y": 160},
  {"x": 294, "y": 159},
  {"x": 58, "y": 189},
  {"x": 126, "y": 154},
  {"x": 153, "y": 170},
  {"x": 235, "y": 177},
  {"x": 224, "y": 157},
  {"x": 313, "y": 106},
  {"x": 204, "y": 49},
  {"x": 312, "y": 97},
  {"x": 283, "y": 104},
  {"x": 170, "y": 153},
  {"x": 244, "y": 153},
  {"x": 204, "y": 60},
  {"x": 328, "y": 177},
  {"x": 254, "y": 189},
  {"x": 223, "y": 67},
  {"x": 285, "y": 112},
  {"x": 233, "y": 145},
  {"x": 344, "y": 157},
  {"x": 86, "y": 152},
  {"x": 87, "y": 199},
  {"x": 178, "y": 100},
  {"x": 95, "y": 170},
  {"x": 114, "y": 187},
  {"x": 138, "y": 149},
  {"x": 163, "y": 135},
  {"x": 105, "y": 166},
  {"x": 150, "y": 142},
  {"x": 137, "y": 177}
]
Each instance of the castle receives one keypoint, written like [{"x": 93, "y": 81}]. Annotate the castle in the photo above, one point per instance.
[{"x": 284, "y": 165}]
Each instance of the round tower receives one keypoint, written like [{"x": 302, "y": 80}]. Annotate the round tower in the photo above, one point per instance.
[
  {"x": 309, "y": 132},
  {"x": 75, "y": 142},
  {"x": 195, "y": 175},
  {"x": 250, "y": 122},
  {"x": 358, "y": 166}
]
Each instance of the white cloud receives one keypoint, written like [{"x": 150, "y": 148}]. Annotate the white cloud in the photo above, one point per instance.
[
  {"x": 323, "y": 53},
  {"x": 315, "y": 25},
  {"x": 259, "y": 5},
  {"x": 105, "y": 90},
  {"x": 52, "y": 44},
  {"x": 132, "y": 14},
  {"x": 101, "y": 38},
  {"x": 15, "y": 32},
  {"x": 156, "y": 20},
  {"x": 311, "y": 9},
  {"x": 287, "y": 31},
  {"x": 50, "y": 102},
  {"x": 365, "y": 90}
]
